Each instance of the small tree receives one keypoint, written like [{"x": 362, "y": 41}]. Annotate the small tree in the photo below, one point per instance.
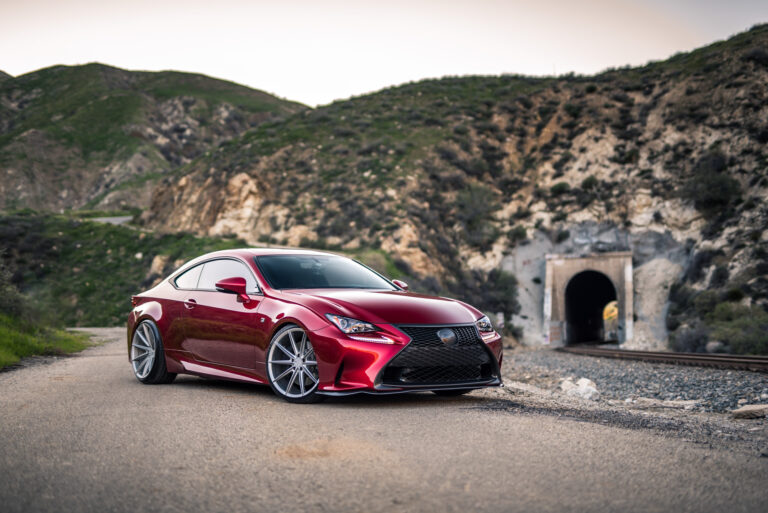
[
  {"x": 560, "y": 188},
  {"x": 710, "y": 188},
  {"x": 501, "y": 294}
]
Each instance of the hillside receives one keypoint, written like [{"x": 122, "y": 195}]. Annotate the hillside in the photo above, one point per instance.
[
  {"x": 460, "y": 177},
  {"x": 4, "y": 76},
  {"x": 98, "y": 136},
  {"x": 103, "y": 265}
]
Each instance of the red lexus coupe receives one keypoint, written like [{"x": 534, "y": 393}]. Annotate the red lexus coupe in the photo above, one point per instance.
[{"x": 309, "y": 324}]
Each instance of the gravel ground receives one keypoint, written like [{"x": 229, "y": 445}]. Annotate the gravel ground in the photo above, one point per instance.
[{"x": 716, "y": 390}]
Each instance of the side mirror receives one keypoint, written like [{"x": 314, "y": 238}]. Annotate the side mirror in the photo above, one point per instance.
[
  {"x": 401, "y": 284},
  {"x": 234, "y": 286}
]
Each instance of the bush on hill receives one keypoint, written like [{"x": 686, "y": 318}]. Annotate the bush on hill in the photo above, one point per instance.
[{"x": 709, "y": 188}]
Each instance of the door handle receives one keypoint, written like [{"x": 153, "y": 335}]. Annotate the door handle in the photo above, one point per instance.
[{"x": 190, "y": 304}]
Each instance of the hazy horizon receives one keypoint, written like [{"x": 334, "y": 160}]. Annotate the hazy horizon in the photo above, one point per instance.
[{"x": 317, "y": 52}]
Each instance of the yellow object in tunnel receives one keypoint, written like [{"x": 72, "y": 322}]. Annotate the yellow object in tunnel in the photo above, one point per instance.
[{"x": 611, "y": 311}]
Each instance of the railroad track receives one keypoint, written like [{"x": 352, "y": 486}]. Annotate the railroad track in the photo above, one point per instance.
[{"x": 725, "y": 361}]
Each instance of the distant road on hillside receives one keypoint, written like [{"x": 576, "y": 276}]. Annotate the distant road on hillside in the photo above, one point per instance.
[{"x": 113, "y": 220}]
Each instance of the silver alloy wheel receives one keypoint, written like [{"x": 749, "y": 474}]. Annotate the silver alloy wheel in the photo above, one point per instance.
[
  {"x": 292, "y": 364},
  {"x": 143, "y": 347}
]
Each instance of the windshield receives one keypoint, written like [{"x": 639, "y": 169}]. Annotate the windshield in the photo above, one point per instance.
[{"x": 318, "y": 272}]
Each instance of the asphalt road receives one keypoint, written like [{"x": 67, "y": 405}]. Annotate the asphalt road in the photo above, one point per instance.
[{"x": 81, "y": 434}]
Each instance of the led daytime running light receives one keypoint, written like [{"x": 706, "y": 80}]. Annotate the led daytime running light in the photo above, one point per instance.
[{"x": 376, "y": 339}]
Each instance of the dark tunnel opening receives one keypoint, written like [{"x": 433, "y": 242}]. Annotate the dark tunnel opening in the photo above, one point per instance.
[{"x": 586, "y": 296}]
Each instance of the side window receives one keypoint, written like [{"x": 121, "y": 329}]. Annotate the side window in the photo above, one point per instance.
[
  {"x": 188, "y": 280},
  {"x": 216, "y": 270}
]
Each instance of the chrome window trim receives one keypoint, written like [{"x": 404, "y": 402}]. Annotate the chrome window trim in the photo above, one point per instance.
[{"x": 174, "y": 277}]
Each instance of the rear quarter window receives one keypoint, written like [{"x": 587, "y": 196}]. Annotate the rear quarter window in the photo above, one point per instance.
[{"x": 188, "y": 279}]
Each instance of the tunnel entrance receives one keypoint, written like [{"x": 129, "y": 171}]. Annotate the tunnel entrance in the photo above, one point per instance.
[
  {"x": 586, "y": 297},
  {"x": 577, "y": 291}
]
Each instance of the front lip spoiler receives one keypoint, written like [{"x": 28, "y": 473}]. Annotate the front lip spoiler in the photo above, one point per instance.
[{"x": 420, "y": 388}]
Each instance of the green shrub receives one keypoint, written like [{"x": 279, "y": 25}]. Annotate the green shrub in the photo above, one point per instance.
[
  {"x": 690, "y": 340},
  {"x": 559, "y": 189},
  {"x": 20, "y": 338},
  {"x": 705, "y": 302},
  {"x": 757, "y": 55},
  {"x": 483, "y": 236},
  {"x": 474, "y": 208},
  {"x": 521, "y": 213},
  {"x": 572, "y": 109},
  {"x": 589, "y": 183},
  {"x": 742, "y": 328},
  {"x": 709, "y": 188},
  {"x": 625, "y": 156},
  {"x": 517, "y": 234},
  {"x": 475, "y": 204},
  {"x": 11, "y": 301},
  {"x": 680, "y": 298},
  {"x": 525, "y": 102},
  {"x": 501, "y": 294},
  {"x": 719, "y": 276},
  {"x": 734, "y": 294}
]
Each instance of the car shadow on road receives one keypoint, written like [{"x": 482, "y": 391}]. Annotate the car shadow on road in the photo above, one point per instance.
[{"x": 407, "y": 400}]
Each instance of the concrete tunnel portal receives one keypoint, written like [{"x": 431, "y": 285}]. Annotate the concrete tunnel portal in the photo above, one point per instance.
[{"x": 588, "y": 298}]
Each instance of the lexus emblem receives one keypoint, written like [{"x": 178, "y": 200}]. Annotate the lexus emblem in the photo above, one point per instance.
[{"x": 447, "y": 336}]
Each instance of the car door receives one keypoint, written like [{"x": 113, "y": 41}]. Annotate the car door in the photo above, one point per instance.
[{"x": 218, "y": 328}]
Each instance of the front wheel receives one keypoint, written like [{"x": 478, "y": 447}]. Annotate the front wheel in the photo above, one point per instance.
[
  {"x": 292, "y": 366},
  {"x": 147, "y": 355}
]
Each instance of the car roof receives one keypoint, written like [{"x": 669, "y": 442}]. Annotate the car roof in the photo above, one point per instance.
[{"x": 251, "y": 252}]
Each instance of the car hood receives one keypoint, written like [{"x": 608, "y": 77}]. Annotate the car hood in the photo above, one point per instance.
[{"x": 385, "y": 306}]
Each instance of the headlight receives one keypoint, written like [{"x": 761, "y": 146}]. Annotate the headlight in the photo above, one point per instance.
[
  {"x": 347, "y": 325},
  {"x": 484, "y": 324}
]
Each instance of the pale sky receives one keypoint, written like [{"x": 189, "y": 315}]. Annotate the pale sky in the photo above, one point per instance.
[{"x": 318, "y": 51}]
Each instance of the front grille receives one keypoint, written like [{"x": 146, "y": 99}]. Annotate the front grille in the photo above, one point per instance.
[{"x": 426, "y": 360}]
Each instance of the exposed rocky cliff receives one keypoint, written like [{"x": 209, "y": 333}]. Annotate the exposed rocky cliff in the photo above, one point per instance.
[
  {"x": 100, "y": 137},
  {"x": 459, "y": 177}
]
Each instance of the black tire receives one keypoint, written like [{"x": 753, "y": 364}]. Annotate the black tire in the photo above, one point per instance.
[
  {"x": 158, "y": 372},
  {"x": 277, "y": 351},
  {"x": 452, "y": 393}
]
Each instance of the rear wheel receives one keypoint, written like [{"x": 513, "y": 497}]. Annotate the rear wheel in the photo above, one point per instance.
[
  {"x": 147, "y": 355},
  {"x": 292, "y": 366},
  {"x": 452, "y": 393}
]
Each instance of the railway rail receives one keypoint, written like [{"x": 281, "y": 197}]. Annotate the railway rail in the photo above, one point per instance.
[{"x": 724, "y": 361}]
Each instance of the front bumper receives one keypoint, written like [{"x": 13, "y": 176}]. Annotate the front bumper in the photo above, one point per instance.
[
  {"x": 347, "y": 366},
  {"x": 426, "y": 388}
]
